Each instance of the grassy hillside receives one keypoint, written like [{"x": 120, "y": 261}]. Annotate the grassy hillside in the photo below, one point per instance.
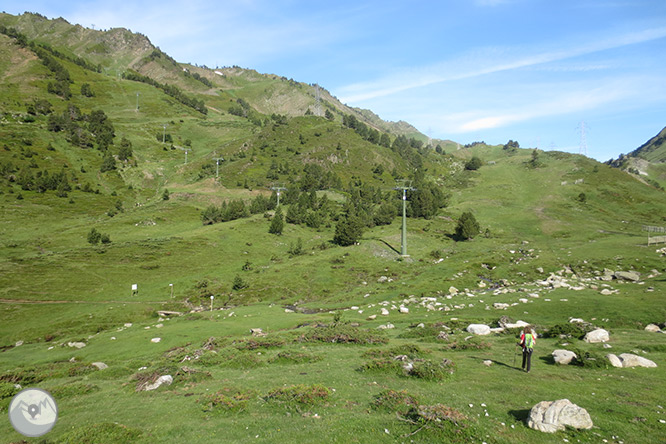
[{"x": 325, "y": 367}]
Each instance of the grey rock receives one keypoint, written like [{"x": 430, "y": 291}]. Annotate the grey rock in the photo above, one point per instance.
[
  {"x": 614, "y": 360},
  {"x": 628, "y": 276},
  {"x": 563, "y": 357},
  {"x": 631, "y": 360},
  {"x": 100, "y": 365},
  {"x": 553, "y": 416},
  {"x": 478, "y": 329},
  {"x": 596, "y": 336}
]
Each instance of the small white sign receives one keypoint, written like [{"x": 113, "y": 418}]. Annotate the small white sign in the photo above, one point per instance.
[{"x": 135, "y": 287}]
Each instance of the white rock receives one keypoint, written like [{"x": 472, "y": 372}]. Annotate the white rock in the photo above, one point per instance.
[
  {"x": 487, "y": 362},
  {"x": 421, "y": 325},
  {"x": 388, "y": 326},
  {"x": 286, "y": 310},
  {"x": 500, "y": 306},
  {"x": 563, "y": 357},
  {"x": 385, "y": 311},
  {"x": 128, "y": 324},
  {"x": 372, "y": 317},
  {"x": 596, "y": 336},
  {"x": 18, "y": 343},
  {"x": 653, "y": 328},
  {"x": 631, "y": 360},
  {"x": 166, "y": 379},
  {"x": 518, "y": 324},
  {"x": 156, "y": 340},
  {"x": 100, "y": 365},
  {"x": 553, "y": 416},
  {"x": 606, "y": 292},
  {"x": 578, "y": 320},
  {"x": 404, "y": 309},
  {"x": 614, "y": 360},
  {"x": 453, "y": 290},
  {"x": 76, "y": 344},
  {"x": 478, "y": 329}
]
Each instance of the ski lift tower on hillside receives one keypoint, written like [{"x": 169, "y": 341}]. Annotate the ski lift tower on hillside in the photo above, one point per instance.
[{"x": 403, "y": 237}]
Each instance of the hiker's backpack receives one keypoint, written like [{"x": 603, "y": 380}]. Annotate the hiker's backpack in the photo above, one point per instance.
[{"x": 529, "y": 341}]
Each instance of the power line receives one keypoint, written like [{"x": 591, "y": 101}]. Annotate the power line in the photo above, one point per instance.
[
  {"x": 217, "y": 165},
  {"x": 278, "y": 189},
  {"x": 582, "y": 129}
]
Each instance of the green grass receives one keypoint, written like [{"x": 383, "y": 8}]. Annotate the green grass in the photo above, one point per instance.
[{"x": 301, "y": 382}]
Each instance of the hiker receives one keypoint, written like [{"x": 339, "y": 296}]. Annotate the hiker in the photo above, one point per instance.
[{"x": 527, "y": 341}]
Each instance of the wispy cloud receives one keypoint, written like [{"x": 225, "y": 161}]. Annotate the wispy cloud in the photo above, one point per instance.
[{"x": 486, "y": 61}]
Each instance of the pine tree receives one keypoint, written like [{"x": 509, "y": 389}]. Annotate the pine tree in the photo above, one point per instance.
[
  {"x": 467, "y": 226},
  {"x": 277, "y": 224}
]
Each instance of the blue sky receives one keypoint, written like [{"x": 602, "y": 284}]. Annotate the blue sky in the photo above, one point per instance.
[{"x": 465, "y": 70}]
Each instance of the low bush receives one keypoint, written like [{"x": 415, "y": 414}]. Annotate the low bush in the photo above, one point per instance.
[
  {"x": 297, "y": 396},
  {"x": 225, "y": 401},
  {"x": 394, "y": 401},
  {"x": 287, "y": 357},
  {"x": 342, "y": 334}
]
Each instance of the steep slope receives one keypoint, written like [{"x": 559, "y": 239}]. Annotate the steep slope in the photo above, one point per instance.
[{"x": 647, "y": 162}]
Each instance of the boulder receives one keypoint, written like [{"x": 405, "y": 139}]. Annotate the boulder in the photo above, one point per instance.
[
  {"x": 76, "y": 344},
  {"x": 385, "y": 312},
  {"x": 596, "y": 336},
  {"x": 166, "y": 379},
  {"x": 478, "y": 329},
  {"x": 563, "y": 357},
  {"x": 554, "y": 416},
  {"x": 100, "y": 365},
  {"x": 487, "y": 362},
  {"x": 155, "y": 340},
  {"x": 372, "y": 317},
  {"x": 628, "y": 276},
  {"x": 500, "y": 305},
  {"x": 453, "y": 290},
  {"x": 630, "y": 360},
  {"x": 653, "y": 328},
  {"x": 517, "y": 324},
  {"x": 614, "y": 360},
  {"x": 404, "y": 309},
  {"x": 606, "y": 292}
]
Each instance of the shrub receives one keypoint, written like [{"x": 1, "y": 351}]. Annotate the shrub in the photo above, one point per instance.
[
  {"x": 570, "y": 330},
  {"x": 286, "y": 357},
  {"x": 394, "y": 401},
  {"x": 94, "y": 236},
  {"x": 299, "y": 395},
  {"x": 343, "y": 334},
  {"x": 430, "y": 371},
  {"x": 473, "y": 164},
  {"x": 225, "y": 401},
  {"x": 442, "y": 423}
]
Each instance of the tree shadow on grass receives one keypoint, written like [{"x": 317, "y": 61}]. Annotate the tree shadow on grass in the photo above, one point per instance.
[{"x": 549, "y": 360}]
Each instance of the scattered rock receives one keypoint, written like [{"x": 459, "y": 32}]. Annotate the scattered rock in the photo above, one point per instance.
[
  {"x": 628, "y": 276},
  {"x": 76, "y": 344},
  {"x": 166, "y": 379},
  {"x": 288, "y": 310},
  {"x": 478, "y": 329},
  {"x": 257, "y": 332},
  {"x": 443, "y": 336},
  {"x": 596, "y": 336},
  {"x": 631, "y": 360},
  {"x": 128, "y": 324},
  {"x": 421, "y": 325},
  {"x": 487, "y": 362},
  {"x": 372, "y": 317},
  {"x": 403, "y": 309},
  {"x": 453, "y": 290},
  {"x": 606, "y": 292},
  {"x": 553, "y": 416},
  {"x": 614, "y": 360},
  {"x": 386, "y": 326},
  {"x": 500, "y": 306},
  {"x": 385, "y": 312},
  {"x": 653, "y": 328},
  {"x": 156, "y": 340},
  {"x": 563, "y": 357},
  {"x": 167, "y": 313},
  {"x": 18, "y": 343},
  {"x": 100, "y": 365},
  {"x": 382, "y": 279}
]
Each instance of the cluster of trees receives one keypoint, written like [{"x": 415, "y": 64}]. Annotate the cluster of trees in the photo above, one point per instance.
[
  {"x": 199, "y": 78},
  {"x": 367, "y": 133},
  {"x": 169, "y": 90},
  {"x": 83, "y": 130},
  {"x": 473, "y": 164},
  {"x": 234, "y": 209},
  {"x": 511, "y": 145},
  {"x": 39, "y": 107},
  {"x": 42, "y": 181},
  {"x": 95, "y": 237}
]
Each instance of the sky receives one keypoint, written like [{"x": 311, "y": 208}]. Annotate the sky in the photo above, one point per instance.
[{"x": 569, "y": 75}]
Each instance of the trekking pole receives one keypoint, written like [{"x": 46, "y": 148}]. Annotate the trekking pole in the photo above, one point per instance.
[{"x": 515, "y": 352}]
